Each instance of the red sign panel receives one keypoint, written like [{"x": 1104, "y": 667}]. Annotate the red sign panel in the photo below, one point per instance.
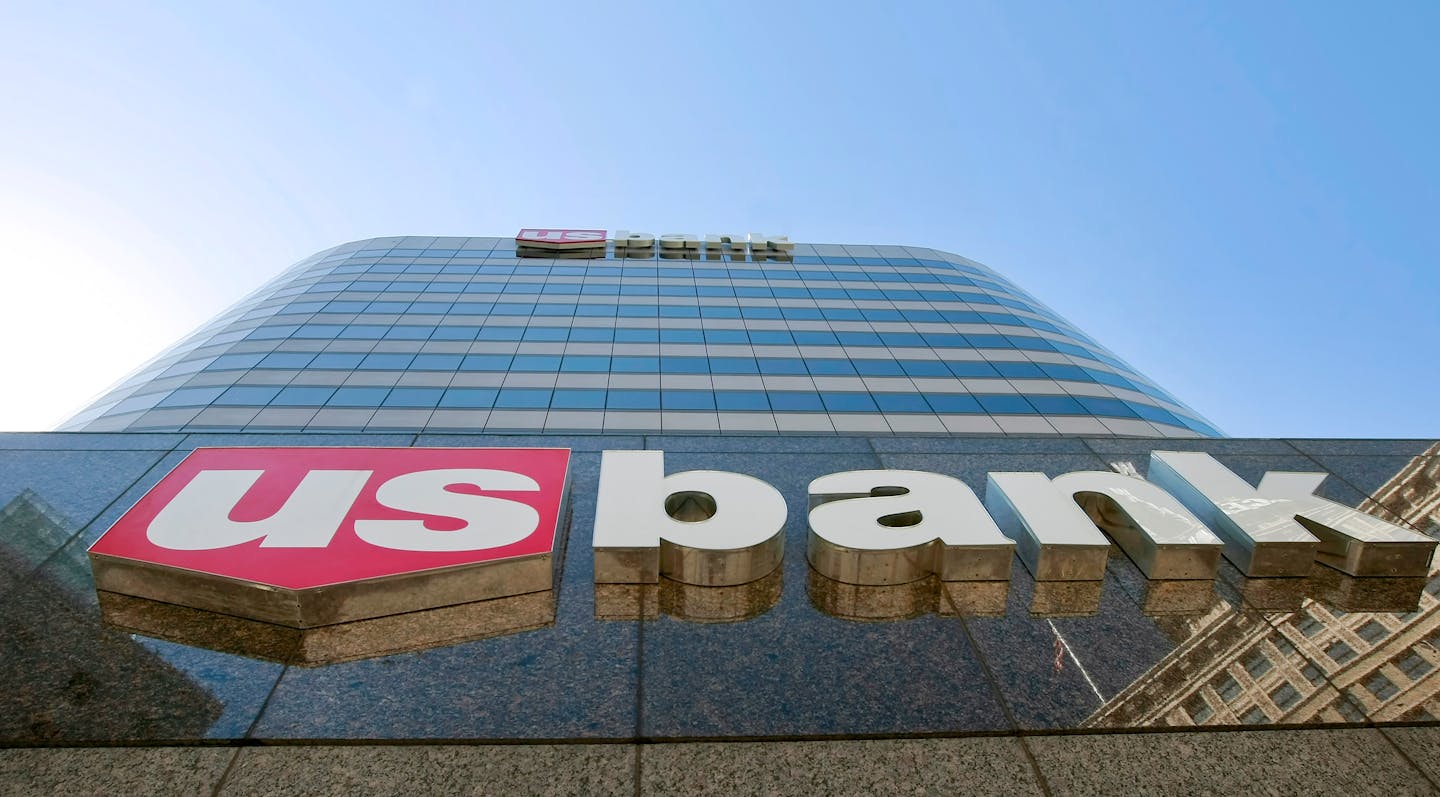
[
  {"x": 560, "y": 239},
  {"x": 300, "y": 518}
]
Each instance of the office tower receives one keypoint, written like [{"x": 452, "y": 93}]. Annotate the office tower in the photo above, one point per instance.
[{"x": 641, "y": 335}]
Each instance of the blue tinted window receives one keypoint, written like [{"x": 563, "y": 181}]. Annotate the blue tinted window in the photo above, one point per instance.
[
  {"x": 953, "y": 403},
  {"x": 303, "y": 396},
  {"x": 1019, "y": 370},
  {"x": 635, "y": 365},
  {"x": 248, "y": 395},
  {"x": 1056, "y": 405},
  {"x": 901, "y": 402},
  {"x": 535, "y": 362},
  {"x": 786, "y": 401},
  {"x": 971, "y": 368},
  {"x": 486, "y": 362},
  {"x": 681, "y": 336},
  {"x": 858, "y": 338},
  {"x": 1107, "y": 406},
  {"x": 386, "y": 362},
  {"x": 770, "y": 337},
  {"x": 545, "y": 334},
  {"x": 1005, "y": 405},
  {"x": 806, "y": 338},
  {"x": 733, "y": 365},
  {"x": 436, "y": 362},
  {"x": 192, "y": 397},
  {"x": 684, "y": 365},
  {"x": 363, "y": 331},
  {"x": 830, "y": 367},
  {"x": 592, "y": 335},
  {"x": 455, "y": 333},
  {"x": 409, "y": 333},
  {"x": 624, "y": 335},
  {"x": 500, "y": 333},
  {"x": 234, "y": 361},
  {"x": 781, "y": 365},
  {"x": 726, "y": 336},
  {"x": 848, "y": 402},
  {"x": 358, "y": 397},
  {"x": 687, "y": 400},
  {"x": 633, "y": 400},
  {"x": 468, "y": 397},
  {"x": 578, "y": 400},
  {"x": 924, "y": 368},
  {"x": 585, "y": 363},
  {"x": 878, "y": 368},
  {"x": 760, "y": 312},
  {"x": 741, "y": 400},
  {"x": 414, "y": 397},
  {"x": 526, "y": 398},
  {"x": 1072, "y": 372},
  {"x": 1152, "y": 413}
]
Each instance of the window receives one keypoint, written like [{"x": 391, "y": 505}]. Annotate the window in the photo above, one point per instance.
[
  {"x": 1414, "y": 665},
  {"x": 1285, "y": 697},
  {"x": 1226, "y": 687},
  {"x": 518, "y": 398},
  {"x": 469, "y": 397},
  {"x": 1339, "y": 652},
  {"x": 1199, "y": 710},
  {"x": 1257, "y": 664},
  {"x": 633, "y": 400},
  {"x": 1371, "y": 631},
  {"x": 1381, "y": 687}
]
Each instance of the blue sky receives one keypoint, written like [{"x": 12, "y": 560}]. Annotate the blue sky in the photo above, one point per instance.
[{"x": 1238, "y": 198}]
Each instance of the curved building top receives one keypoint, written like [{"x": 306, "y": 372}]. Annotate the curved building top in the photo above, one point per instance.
[{"x": 581, "y": 331}]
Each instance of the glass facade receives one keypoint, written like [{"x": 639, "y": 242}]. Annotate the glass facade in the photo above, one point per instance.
[{"x": 461, "y": 334}]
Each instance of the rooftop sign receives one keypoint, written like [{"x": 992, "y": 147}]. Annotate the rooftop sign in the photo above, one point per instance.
[{"x": 537, "y": 242}]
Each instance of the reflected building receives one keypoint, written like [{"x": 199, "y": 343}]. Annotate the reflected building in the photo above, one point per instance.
[{"x": 1317, "y": 664}]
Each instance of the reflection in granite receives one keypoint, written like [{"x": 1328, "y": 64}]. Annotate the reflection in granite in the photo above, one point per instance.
[
  {"x": 574, "y": 679},
  {"x": 1125, "y": 652},
  {"x": 332, "y": 643},
  {"x": 865, "y": 602},
  {"x": 798, "y": 670},
  {"x": 1351, "y": 594},
  {"x": 1188, "y": 596},
  {"x": 71, "y": 679},
  {"x": 974, "y": 598},
  {"x": 691, "y": 602},
  {"x": 1065, "y": 598},
  {"x": 1412, "y": 495},
  {"x": 67, "y": 678}
]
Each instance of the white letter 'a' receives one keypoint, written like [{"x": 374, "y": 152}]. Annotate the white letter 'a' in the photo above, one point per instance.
[
  {"x": 490, "y": 522},
  {"x": 898, "y": 526},
  {"x": 640, "y": 533},
  {"x": 198, "y": 519}
]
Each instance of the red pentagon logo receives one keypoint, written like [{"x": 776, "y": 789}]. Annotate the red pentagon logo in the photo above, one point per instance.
[
  {"x": 560, "y": 239},
  {"x": 314, "y": 536}
]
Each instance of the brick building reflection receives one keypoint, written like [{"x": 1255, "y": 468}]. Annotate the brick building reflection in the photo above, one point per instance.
[{"x": 1316, "y": 664}]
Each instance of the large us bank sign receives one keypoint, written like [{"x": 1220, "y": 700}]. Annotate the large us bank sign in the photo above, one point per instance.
[{"x": 308, "y": 537}]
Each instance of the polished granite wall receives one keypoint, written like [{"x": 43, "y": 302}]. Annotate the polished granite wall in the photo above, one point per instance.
[{"x": 795, "y": 679}]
